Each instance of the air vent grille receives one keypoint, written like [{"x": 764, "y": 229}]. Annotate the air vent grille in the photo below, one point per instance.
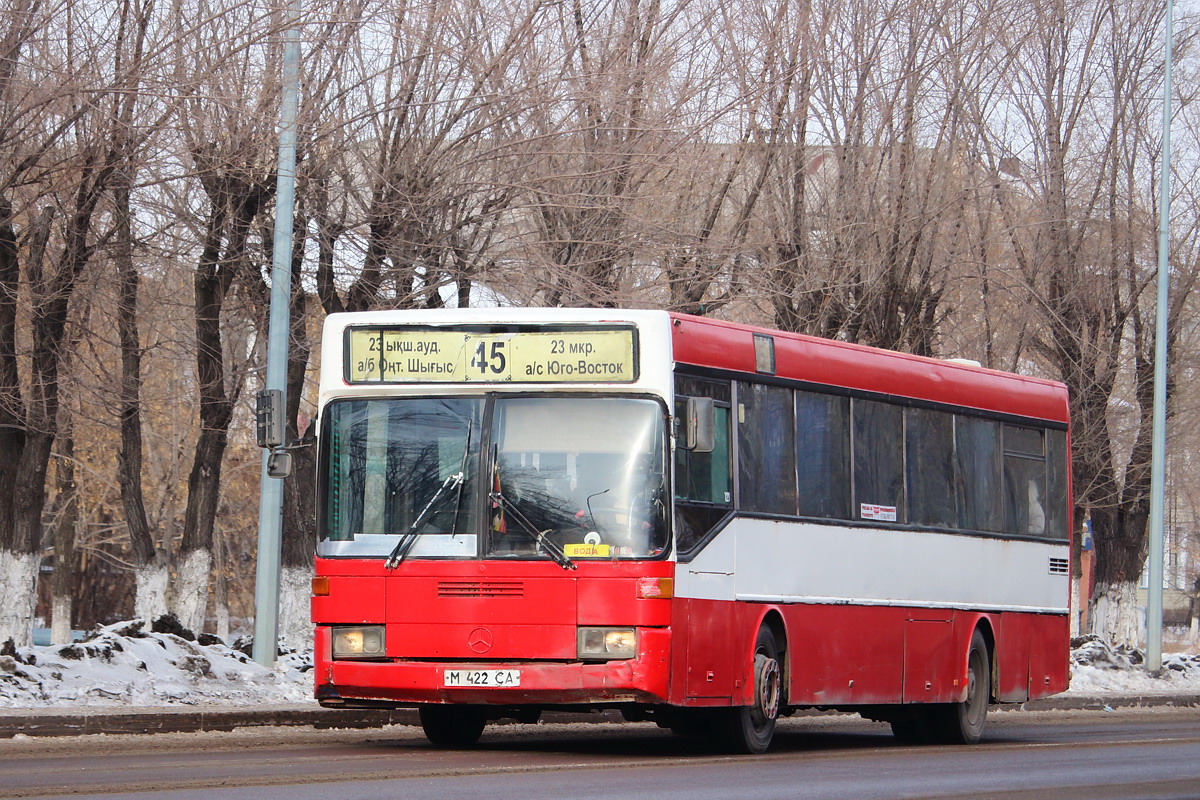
[
  {"x": 1059, "y": 566},
  {"x": 481, "y": 589}
]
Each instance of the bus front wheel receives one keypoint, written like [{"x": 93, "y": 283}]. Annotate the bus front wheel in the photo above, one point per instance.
[
  {"x": 749, "y": 729},
  {"x": 453, "y": 726}
]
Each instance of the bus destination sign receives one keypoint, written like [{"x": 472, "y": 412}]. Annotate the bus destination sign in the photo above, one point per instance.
[{"x": 447, "y": 355}]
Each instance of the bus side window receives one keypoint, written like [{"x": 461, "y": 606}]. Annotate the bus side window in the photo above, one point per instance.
[
  {"x": 1024, "y": 480},
  {"x": 766, "y": 449},
  {"x": 703, "y": 481},
  {"x": 977, "y": 474},
  {"x": 1057, "y": 512},
  {"x": 823, "y": 454},
  {"x": 704, "y": 477},
  {"x": 878, "y": 431}
]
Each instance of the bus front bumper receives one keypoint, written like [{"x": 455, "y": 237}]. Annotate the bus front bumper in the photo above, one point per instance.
[{"x": 643, "y": 679}]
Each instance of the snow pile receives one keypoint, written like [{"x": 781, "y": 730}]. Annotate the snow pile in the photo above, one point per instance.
[
  {"x": 1099, "y": 668},
  {"x": 124, "y": 665}
]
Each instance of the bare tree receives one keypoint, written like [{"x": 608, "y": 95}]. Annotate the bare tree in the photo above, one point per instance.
[{"x": 60, "y": 162}]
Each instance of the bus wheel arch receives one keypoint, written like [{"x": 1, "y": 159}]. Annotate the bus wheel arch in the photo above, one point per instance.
[
  {"x": 773, "y": 621},
  {"x": 750, "y": 728},
  {"x": 963, "y": 722},
  {"x": 984, "y": 627}
]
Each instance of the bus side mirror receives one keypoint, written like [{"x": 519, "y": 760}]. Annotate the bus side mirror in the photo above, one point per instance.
[{"x": 701, "y": 425}]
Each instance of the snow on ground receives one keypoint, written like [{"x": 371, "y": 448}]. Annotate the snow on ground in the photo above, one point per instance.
[
  {"x": 1097, "y": 668},
  {"x": 125, "y": 665}
]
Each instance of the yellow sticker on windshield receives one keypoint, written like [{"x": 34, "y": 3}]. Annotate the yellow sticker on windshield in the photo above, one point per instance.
[{"x": 588, "y": 550}]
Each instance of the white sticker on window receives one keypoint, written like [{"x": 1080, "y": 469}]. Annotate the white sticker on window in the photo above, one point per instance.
[{"x": 877, "y": 513}]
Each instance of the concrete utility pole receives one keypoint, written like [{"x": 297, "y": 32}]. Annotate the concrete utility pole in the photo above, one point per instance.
[
  {"x": 1154, "y": 594},
  {"x": 270, "y": 506}
]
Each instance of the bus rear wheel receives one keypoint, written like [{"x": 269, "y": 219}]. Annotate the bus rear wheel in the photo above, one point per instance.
[
  {"x": 962, "y": 723},
  {"x": 749, "y": 729},
  {"x": 453, "y": 726},
  {"x": 952, "y": 723}
]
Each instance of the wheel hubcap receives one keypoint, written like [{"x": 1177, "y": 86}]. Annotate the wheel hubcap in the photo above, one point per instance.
[{"x": 767, "y": 684}]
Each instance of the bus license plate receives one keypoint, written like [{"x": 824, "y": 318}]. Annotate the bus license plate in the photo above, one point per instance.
[{"x": 498, "y": 678}]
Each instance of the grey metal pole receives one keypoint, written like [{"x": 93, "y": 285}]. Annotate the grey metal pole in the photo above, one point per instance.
[
  {"x": 270, "y": 507},
  {"x": 1154, "y": 594}
]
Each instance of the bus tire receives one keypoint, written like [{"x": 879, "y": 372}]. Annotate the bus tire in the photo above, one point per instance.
[
  {"x": 962, "y": 723},
  {"x": 452, "y": 726},
  {"x": 749, "y": 729}
]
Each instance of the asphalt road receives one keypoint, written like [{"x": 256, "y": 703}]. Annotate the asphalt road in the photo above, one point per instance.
[{"x": 1128, "y": 753}]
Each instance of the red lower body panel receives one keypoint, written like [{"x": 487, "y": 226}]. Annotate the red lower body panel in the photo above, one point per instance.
[{"x": 843, "y": 655}]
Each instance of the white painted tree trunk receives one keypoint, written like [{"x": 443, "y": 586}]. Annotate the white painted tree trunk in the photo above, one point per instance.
[
  {"x": 18, "y": 596},
  {"x": 151, "y": 600},
  {"x": 1076, "y": 605},
  {"x": 221, "y": 610},
  {"x": 191, "y": 590},
  {"x": 1116, "y": 616},
  {"x": 60, "y": 619},
  {"x": 295, "y": 613}
]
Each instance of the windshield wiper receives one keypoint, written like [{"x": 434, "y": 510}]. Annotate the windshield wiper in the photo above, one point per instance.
[
  {"x": 409, "y": 538},
  {"x": 554, "y": 551}
]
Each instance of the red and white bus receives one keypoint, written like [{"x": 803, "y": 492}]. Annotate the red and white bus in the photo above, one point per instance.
[{"x": 696, "y": 522}]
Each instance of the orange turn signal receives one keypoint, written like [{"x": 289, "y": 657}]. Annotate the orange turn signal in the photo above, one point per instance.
[
  {"x": 320, "y": 586},
  {"x": 663, "y": 588}
]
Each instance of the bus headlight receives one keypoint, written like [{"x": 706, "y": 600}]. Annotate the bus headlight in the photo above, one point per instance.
[
  {"x": 363, "y": 641},
  {"x": 599, "y": 643}
]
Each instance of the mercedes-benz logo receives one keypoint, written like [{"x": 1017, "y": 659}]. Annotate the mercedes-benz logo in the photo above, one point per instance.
[{"x": 480, "y": 640}]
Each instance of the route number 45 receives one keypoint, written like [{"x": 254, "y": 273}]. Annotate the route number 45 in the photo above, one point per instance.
[{"x": 489, "y": 358}]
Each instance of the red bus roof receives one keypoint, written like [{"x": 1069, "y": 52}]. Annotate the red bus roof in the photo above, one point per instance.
[{"x": 717, "y": 344}]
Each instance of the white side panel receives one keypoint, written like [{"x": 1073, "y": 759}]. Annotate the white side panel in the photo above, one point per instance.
[
  {"x": 711, "y": 575},
  {"x": 793, "y": 562}
]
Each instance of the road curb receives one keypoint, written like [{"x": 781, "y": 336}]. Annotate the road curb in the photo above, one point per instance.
[
  {"x": 36, "y": 722},
  {"x": 1109, "y": 702}
]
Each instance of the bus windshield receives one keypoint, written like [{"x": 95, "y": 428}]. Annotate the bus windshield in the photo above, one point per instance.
[
  {"x": 391, "y": 463},
  {"x": 583, "y": 476},
  {"x": 585, "y": 472}
]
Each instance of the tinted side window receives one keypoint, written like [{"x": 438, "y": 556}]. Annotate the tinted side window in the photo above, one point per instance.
[
  {"x": 823, "y": 454},
  {"x": 703, "y": 481},
  {"x": 704, "y": 477},
  {"x": 1058, "y": 513},
  {"x": 977, "y": 461},
  {"x": 878, "y": 461},
  {"x": 1024, "y": 481},
  {"x": 766, "y": 449},
  {"x": 929, "y": 443}
]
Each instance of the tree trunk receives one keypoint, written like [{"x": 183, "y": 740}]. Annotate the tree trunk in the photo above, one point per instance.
[
  {"x": 18, "y": 583},
  {"x": 211, "y": 282},
  {"x": 149, "y": 565},
  {"x": 192, "y": 580},
  {"x": 150, "y": 600},
  {"x": 64, "y": 545},
  {"x": 221, "y": 586},
  {"x": 1116, "y": 615}
]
